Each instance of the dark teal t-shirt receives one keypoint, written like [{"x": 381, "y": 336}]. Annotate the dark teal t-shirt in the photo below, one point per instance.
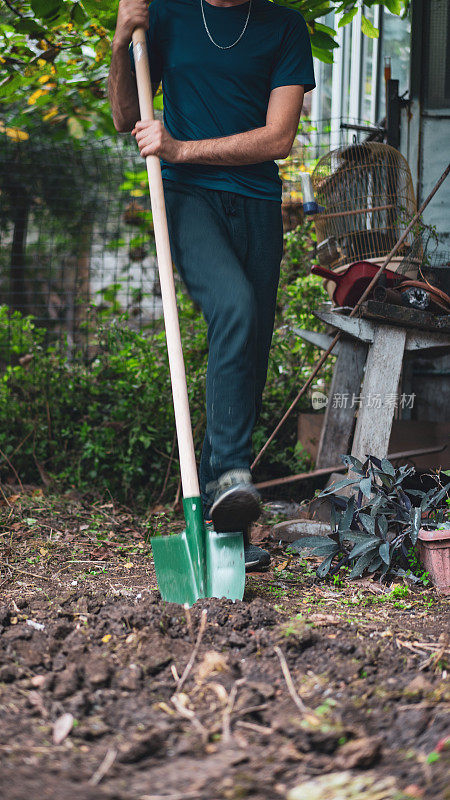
[{"x": 209, "y": 93}]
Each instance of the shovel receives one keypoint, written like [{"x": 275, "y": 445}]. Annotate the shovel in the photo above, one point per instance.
[{"x": 197, "y": 562}]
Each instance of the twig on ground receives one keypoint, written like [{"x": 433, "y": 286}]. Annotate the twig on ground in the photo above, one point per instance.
[
  {"x": 187, "y": 713},
  {"x": 189, "y": 621},
  {"x": 30, "y": 574},
  {"x": 289, "y": 682},
  {"x": 424, "y": 646},
  {"x": 177, "y": 796},
  {"x": 174, "y": 672},
  {"x": 435, "y": 657},
  {"x": 251, "y": 726},
  {"x": 251, "y": 710},
  {"x": 90, "y": 561},
  {"x": 103, "y": 768},
  {"x": 190, "y": 663},
  {"x": 226, "y": 719}
]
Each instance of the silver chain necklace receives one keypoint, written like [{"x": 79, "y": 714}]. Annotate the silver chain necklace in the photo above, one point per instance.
[{"x": 229, "y": 46}]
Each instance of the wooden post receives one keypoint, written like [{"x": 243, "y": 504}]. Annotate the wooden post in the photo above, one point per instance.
[
  {"x": 380, "y": 385},
  {"x": 339, "y": 414}
]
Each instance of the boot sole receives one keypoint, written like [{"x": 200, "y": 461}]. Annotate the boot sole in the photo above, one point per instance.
[
  {"x": 235, "y": 509},
  {"x": 255, "y": 566}
]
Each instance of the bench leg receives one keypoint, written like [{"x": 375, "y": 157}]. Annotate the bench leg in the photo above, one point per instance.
[
  {"x": 379, "y": 389},
  {"x": 339, "y": 414}
]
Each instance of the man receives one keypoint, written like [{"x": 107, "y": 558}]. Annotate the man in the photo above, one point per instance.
[{"x": 233, "y": 74}]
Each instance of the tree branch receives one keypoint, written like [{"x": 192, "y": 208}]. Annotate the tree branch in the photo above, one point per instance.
[{"x": 14, "y": 10}]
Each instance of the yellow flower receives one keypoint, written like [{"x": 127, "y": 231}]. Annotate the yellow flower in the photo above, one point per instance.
[
  {"x": 35, "y": 96},
  {"x": 43, "y": 78},
  {"x": 14, "y": 133},
  {"x": 50, "y": 113}
]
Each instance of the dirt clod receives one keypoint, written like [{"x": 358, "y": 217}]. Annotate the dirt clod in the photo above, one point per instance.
[
  {"x": 97, "y": 672},
  {"x": 147, "y": 743},
  {"x": 66, "y": 682},
  {"x": 359, "y": 753}
]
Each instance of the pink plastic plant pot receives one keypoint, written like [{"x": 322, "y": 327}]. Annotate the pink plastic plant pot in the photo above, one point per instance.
[{"x": 434, "y": 554}]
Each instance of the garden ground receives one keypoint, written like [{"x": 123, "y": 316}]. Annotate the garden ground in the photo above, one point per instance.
[{"x": 302, "y": 681}]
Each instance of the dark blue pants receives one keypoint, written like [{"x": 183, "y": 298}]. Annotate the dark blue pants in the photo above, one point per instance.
[{"x": 227, "y": 248}]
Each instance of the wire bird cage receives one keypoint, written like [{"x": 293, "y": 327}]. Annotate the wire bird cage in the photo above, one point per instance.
[
  {"x": 368, "y": 200},
  {"x": 427, "y": 256}
]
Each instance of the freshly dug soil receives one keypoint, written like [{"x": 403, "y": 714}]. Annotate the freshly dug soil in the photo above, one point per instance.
[{"x": 93, "y": 705}]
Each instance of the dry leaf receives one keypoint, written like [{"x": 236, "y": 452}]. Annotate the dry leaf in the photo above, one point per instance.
[
  {"x": 183, "y": 699},
  {"x": 346, "y": 786},
  {"x": 212, "y": 662},
  {"x": 62, "y": 728},
  {"x": 164, "y": 707},
  {"x": 220, "y": 692},
  {"x": 37, "y": 681},
  {"x": 37, "y": 626}
]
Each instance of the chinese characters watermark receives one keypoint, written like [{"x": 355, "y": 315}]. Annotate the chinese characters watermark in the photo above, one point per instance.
[{"x": 371, "y": 400}]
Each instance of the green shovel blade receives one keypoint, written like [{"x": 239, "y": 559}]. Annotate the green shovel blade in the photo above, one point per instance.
[{"x": 199, "y": 562}]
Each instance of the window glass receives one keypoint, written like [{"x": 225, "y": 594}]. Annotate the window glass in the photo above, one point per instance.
[
  {"x": 396, "y": 45},
  {"x": 368, "y": 76},
  {"x": 346, "y": 58},
  {"x": 438, "y": 61}
]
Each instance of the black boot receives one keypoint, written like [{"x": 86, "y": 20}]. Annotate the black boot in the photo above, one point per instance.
[
  {"x": 256, "y": 559},
  {"x": 236, "y": 503}
]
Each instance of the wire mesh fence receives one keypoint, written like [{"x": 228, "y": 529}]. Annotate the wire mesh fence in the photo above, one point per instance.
[{"x": 76, "y": 238}]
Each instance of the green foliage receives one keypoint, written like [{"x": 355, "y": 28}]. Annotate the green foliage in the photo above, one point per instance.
[
  {"x": 108, "y": 424},
  {"x": 99, "y": 425},
  {"x": 18, "y": 335},
  {"x": 376, "y": 529},
  {"x": 291, "y": 358},
  {"x": 56, "y": 55}
]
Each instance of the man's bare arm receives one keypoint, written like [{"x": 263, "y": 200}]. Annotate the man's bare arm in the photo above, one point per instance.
[
  {"x": 272, "y": 141},
  {"x": 122, "y": 90}
]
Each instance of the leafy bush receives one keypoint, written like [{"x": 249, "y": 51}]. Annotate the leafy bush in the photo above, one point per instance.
[
  {"x": 108, "y": 424},
  {"x": 291, "y": 359},
  {"x": 101, "y": 425},
  {"x": 18, "y": 335},
  {"x": 376, "y": 529}
]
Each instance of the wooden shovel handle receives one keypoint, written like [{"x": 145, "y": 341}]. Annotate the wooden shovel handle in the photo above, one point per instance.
[{"x": 188, "y": 468}]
